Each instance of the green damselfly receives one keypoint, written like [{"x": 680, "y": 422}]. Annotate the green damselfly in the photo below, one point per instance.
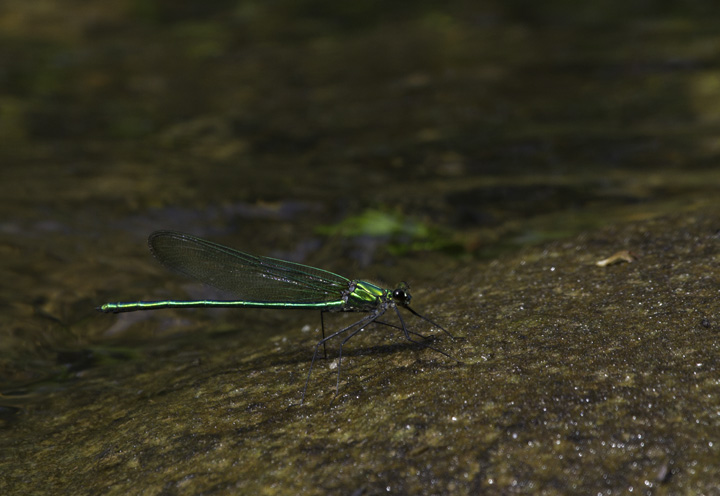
[{"x": 264, "y": 282}]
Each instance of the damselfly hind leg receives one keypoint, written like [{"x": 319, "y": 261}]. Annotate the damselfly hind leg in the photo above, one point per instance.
[
  {"x": 322, "y": 326},
  {"x": 359, "y": 326},
  {"x": 360, "y": 323}
]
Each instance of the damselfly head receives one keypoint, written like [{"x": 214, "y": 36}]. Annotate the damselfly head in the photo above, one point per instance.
[{"x": 401, "y": 295}]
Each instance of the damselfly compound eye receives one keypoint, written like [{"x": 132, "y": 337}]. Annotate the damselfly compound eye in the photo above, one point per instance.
[{"x": 401, "y": 296}]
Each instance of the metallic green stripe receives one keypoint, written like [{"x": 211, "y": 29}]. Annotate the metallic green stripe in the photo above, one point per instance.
[{"x": 151, "y": 305}]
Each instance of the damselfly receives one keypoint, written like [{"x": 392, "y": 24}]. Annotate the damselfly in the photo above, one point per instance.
[{"x": 264, "y": 282}]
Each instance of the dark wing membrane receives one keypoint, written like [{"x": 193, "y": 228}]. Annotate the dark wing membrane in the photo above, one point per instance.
[{"x": 245, "y": 277}]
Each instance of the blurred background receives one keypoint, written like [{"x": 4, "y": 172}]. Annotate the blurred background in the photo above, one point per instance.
[{"x": 383, "y": 141}]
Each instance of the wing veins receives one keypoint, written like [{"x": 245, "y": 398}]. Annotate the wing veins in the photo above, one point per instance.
[{"x": 249, "y": 277}]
